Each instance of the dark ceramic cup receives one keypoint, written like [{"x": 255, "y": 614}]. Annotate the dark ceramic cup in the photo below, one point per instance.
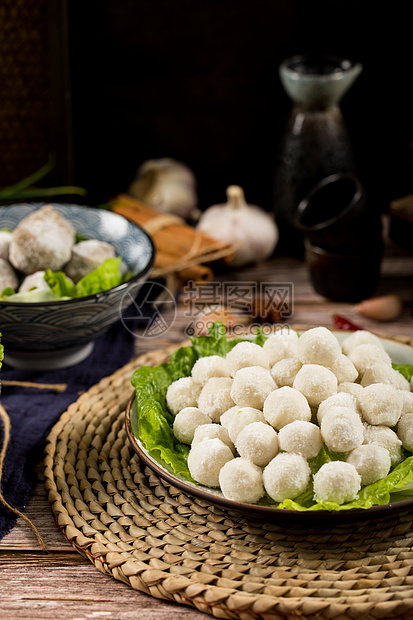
[
  {"x": 343, "y": 238},
  {"x": 344, "y": 275},
  {"x": 335, "y": 213}
]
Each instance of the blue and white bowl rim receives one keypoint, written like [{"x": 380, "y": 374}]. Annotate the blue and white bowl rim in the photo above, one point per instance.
[{"x": 62, "y": 207}]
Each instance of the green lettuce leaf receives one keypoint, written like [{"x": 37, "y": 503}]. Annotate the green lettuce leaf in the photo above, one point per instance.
[
  {"x": 8, "y": 292},
  {"x": 35, "y": 295},
  {"x": 59, "y": 284},
  {"x": 106, "y": 276},
  {"x": 153, "y": 425},
  {"x": 216, "y": 343},
  {"x": 405, "y": 369}
]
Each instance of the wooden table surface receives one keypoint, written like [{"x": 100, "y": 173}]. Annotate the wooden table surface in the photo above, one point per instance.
[{"x": 59, "y": 582}]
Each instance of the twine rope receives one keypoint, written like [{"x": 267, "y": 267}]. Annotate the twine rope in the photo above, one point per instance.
[
  {"x": 56, "y": 387},
  {"x": 6, "y": 428},
  {"x": 192, "y": 258},
  {"x": 186, "y": 262},
  {"x": 162, "y": 221}
]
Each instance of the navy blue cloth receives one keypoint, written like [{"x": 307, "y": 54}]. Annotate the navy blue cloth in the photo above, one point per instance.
[{"x": 33, "y": 412}]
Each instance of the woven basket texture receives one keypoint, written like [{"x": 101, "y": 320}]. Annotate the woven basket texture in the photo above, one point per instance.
[{"x": 136, "y": 528}]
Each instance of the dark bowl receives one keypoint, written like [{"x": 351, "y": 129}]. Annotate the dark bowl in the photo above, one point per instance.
[{"x": 56, "y": 334}]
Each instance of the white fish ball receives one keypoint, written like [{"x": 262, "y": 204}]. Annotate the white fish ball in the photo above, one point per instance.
[
  {"x": 206, "y": 459},
  {"x": 365, "y": 355},
  {"x": 186, "y": 421},
  {"x": 281, "y": 344},
  {"x": 337, "y": 481},
  {"x": 386, "y": 437},
  {"x": 182, "y": 393},
  {"x": 241, "y": 481},
  {"x": 405, "y": 431},
  {"x": 318, "y": 346},
  {"x": 245, "y": 354},
  {"x": 340, "y": 399},
  {"x": 215, "y": 397},
  {"x": 354, "y": 389},
  {"x": 227, "y": 416},
  {"x": 257, "y": 442},
  {"x": 207, "y": 367},
  {"x": 301, "y": 437},
  {"x": 284, "y": 406},
  {"x": 383, "y": 373},
  {"x": 381, "y": 404},
  {"x": 284, "y": 371},
  {"x": 243, "y": 417},
  {"x": 344, "y": 369},
  {"x": 286, "y": 476},
  {"x": 407, "y": 406},
  {"x": 371, "y": 461},
  {"x": 251, "y": 386},
  {"x": 316, "y": 383},
  {"x": 211, "y": 431},
  {"x": 342, "y": 429},
  {"x": 361, "y": 336}
]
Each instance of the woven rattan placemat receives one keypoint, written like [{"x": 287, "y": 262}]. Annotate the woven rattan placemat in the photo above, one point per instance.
[{"x": 138, "y": 529}]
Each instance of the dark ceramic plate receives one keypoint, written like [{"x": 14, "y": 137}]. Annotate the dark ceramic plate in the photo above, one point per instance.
[{"x": 401, "y": 354}]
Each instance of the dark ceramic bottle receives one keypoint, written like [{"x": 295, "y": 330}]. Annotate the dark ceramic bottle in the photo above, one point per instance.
[{"x": 315, "y": 142}]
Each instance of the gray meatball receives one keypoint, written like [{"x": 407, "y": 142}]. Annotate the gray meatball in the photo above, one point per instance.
[
  {"x": 87, "y": 256},
  {"x": 43, "y": 240}
]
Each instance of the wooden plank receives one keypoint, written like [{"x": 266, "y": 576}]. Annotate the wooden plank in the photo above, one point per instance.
[
  {"x": 62, "y": 583},
  {"x": 50, "y": 585},
  {"x": 40, "y": 513}
]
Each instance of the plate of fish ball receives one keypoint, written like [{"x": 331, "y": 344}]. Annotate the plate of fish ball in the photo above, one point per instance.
[{"x": 298, "y": 427}]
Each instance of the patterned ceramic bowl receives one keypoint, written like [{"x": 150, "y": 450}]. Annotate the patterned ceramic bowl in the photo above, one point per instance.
[{"x": 56, "y": 334}]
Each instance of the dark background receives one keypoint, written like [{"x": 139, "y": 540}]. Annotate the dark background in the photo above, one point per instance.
[{"x": 196, "y": 81}]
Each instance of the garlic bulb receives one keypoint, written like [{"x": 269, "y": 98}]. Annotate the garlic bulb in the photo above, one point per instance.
[
  {"x": 248, "y": 227},
  {"x": 168, "y": 186}
]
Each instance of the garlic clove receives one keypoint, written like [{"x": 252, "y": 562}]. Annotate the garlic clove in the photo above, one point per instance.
[
  {"x": 251, "y": 230},
  {"x": 385, "y": 308}
]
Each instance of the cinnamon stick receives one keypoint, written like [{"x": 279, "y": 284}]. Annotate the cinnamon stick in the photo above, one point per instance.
[
  {"x": 183, "y": 236},
  {"x": 177, "y": 240},
  {"x": 179, "y": 247}
]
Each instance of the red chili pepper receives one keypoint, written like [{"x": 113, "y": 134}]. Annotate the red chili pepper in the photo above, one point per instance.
[{"x": 342, "y": 323}]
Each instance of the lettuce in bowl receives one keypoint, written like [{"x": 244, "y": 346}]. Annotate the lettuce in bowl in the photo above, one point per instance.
[{"x": 108, "y": 275}]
